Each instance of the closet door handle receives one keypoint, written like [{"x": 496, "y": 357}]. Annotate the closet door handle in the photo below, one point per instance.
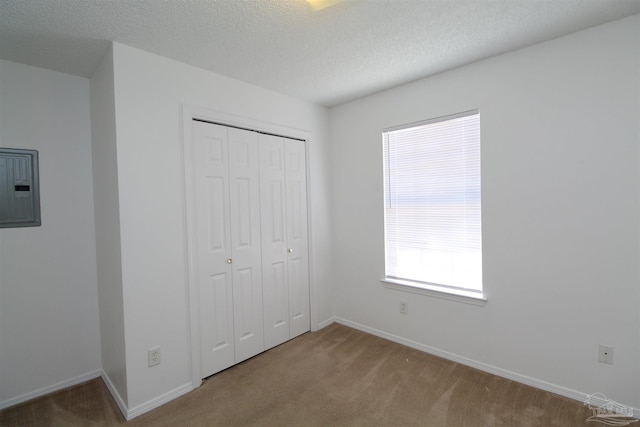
[
  {"x": 229, "y": 261},
  {"x": 290, "y": 250}
]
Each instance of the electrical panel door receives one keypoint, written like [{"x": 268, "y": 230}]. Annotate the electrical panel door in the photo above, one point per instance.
[{"x": 19, "y": 191}]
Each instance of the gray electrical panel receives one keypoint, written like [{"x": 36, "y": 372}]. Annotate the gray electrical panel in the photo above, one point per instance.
[{"x": 19, "y": 190}]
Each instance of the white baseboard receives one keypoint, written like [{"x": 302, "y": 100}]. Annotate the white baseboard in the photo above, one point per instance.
[
  {"x": 158, "y": 401},
  {"x": 326, "y": 323},
  {"x": 51, "y": 388},
  {"x": 147, "y": 406},
  {"x": 543, "y": 385},
  {"x": 114, "y": 393}
]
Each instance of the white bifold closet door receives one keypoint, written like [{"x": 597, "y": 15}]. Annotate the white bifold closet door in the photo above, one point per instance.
[
  {"x": 285, "y": 253},
  {"x": 251, "y": 242},
  {"x": 228, "y": 245}
]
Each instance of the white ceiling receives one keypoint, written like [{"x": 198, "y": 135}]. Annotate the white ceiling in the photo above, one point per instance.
[{"x": 342, "y": 52}]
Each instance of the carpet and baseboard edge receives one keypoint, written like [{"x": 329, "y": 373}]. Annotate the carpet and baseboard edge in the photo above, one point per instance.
[
  {"x": 51, "y": 388},
  {"x": 158, "y": 401},
  {"x": 543, "y": 385},
  {"x": 136, "y": 411}
]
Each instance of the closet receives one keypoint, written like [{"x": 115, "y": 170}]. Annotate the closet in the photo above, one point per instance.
[{"x": 251, "y": 245}]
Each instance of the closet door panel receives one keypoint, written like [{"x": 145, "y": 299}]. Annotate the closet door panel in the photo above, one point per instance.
[
  {"x": 246, "y": 263},
  {"x": 213, "y": 247},
  {"x": 217, "y": 337},
  {"x": 297, "y": 237},
  {"x": 274, "y": 241}
]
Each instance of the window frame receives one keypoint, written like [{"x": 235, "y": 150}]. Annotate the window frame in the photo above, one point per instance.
[{"x": 425, "y": 288}]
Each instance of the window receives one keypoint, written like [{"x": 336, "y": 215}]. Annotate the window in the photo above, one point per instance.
[{"x": 433, "y": 232}]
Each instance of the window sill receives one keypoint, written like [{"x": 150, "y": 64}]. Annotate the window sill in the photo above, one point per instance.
[{"x": 458, "y": 295}]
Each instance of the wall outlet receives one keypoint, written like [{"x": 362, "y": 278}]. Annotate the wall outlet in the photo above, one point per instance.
[
  {"x": 404, "y": 307},
  {"x": 153, "y": 356},
  {"x": 605, "y": 354}
]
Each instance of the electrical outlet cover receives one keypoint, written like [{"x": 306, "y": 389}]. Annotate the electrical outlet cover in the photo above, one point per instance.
[
  {"x": 404, "y": 307},
  {"x": 153, "y": 356},
  {"x": 605, "y": 354}
]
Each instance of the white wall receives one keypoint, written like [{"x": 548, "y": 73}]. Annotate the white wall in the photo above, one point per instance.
[
  {"x": 49, "y": 335},
  {"x": 560, "y": 193},
  {"x": 149, "y": 94},
  {"x": 107, "y": 226}
]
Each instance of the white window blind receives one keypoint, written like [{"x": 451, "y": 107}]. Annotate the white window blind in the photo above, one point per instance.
[{"x": 433, "y": 232}]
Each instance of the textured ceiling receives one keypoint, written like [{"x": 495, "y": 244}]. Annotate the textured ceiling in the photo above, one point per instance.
[{"x": 327, "y": 56}]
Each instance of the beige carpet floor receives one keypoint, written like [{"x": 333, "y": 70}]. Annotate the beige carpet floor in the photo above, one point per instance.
[{"x": 334, "y": 377}]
